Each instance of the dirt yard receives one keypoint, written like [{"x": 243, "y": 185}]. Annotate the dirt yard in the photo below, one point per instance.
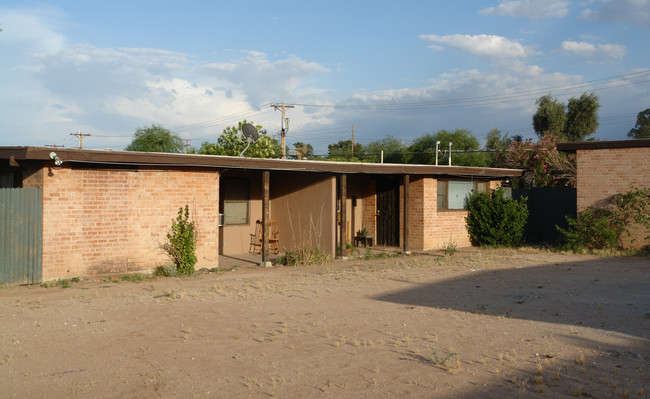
[{"x": 483, "y": 323}]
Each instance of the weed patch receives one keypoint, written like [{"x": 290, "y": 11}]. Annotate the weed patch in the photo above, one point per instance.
[{"x": 436, "y": 359}]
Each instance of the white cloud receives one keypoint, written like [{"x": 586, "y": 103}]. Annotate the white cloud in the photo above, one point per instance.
[
  {"x": 261, "y": 79},
  {"x": 626, "y": 11},
  {"x": 584, "y": 49},
  {"x": 56, "y": 88},
  {"x": 533, "y": 9},
  {"x": 31, "y": 30},
  {"x": 483, "y": 45},
  {"x": 472, "y": 99}
]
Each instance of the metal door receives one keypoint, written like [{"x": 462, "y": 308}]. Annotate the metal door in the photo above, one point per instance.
[
  {"x": 388, "y": 212},
  {"x": 21, "y": 223}
]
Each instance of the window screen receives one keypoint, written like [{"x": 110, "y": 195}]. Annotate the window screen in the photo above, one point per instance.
[
  {"x": 442, "y": 194},
  {"x": 236, "y": 196}
]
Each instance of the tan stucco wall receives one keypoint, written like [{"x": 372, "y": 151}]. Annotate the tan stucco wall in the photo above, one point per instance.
[{"x": 304, "y": 205}]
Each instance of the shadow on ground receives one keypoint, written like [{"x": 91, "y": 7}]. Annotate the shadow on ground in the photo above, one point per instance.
[{"x": 611, "y": 294}]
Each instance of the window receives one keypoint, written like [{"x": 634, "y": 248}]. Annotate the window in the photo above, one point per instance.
[
  {"x": 236, "y": 196},
  {"x": 452, "y": 194},
  {"x": 7, "y": 180}
]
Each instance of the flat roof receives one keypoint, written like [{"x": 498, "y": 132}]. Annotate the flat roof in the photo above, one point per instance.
[
  {"x": 108, "y": 157},
  {"x": 603, "y": 145}
]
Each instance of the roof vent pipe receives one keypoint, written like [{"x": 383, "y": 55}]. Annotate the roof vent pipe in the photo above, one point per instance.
[
  {"x": 450, "y": 143},
  {"x": 437, "y": 151}
]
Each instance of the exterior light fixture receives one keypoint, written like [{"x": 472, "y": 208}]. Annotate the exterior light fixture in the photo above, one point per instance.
[{"x": 57, "y": 161}]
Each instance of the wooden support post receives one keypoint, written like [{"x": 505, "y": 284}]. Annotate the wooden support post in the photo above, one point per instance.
[
  {"x": 266, "y": 177},
  {"x": 405, "y": 238},
  {"x": 343, "y": 183}
]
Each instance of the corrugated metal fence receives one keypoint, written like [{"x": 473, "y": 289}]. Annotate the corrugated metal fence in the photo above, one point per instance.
[{"x": 21, "y": 238}]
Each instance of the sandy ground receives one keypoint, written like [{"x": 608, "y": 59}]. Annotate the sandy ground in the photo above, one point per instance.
[{"x": 483, "y": 323}]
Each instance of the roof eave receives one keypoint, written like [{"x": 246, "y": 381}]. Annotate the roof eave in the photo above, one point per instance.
[{"x": 215, "y": 161}]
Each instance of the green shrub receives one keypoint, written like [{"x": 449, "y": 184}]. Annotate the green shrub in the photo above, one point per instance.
[
  {"x": 450, "y": 248},
  {"x": 166, "y": 270},
  {"x": 495, "y": 220},
  {"x": 181, "y": 247},
  {"x": 303, "y": 256},
  {"x": 603, "y": 227}
]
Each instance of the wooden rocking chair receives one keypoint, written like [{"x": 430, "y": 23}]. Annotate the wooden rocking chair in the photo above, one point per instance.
[{"x": 274, "y": 237}]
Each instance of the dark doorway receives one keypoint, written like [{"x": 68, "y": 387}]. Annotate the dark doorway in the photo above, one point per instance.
[{"x": 388, "y": 211}]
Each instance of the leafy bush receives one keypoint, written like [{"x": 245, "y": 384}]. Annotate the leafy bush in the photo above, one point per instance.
[
  {"x": 495, "y": 220},
  {"x": 543, "y": 164},
  {"x": 603, "y": 227},
  {"x": 181, "y": 247},
  {"x": 306, "y": 255}
]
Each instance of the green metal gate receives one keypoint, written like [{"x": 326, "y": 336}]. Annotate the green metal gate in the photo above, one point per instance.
[{"x": 21, "y": 238}]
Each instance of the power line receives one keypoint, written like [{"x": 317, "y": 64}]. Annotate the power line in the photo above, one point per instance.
[
  {"x": 222, "y": 120},
  {"x": 568, "y": 89}
]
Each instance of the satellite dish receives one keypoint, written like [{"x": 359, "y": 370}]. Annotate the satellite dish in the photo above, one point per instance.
[
  {"x": 250, "y": 132},
  {"x": 251, "y": 135}
]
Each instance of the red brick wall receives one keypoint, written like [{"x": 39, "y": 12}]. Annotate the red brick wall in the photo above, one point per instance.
[
  {"x": 430, "y": 228},
  {"x": 606, "y": 172},
  {"x": 114, "y": 220}
]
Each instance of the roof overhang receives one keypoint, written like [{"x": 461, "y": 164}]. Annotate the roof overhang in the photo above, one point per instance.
[
  {"x": 15, "y": 154},
  {"x": 602, "y": 145}
]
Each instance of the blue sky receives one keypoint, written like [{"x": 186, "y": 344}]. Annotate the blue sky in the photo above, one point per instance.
[{"x": 107, "y": 68}]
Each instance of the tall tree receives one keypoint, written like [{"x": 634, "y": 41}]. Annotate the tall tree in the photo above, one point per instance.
[
  {"x": 550, "y": 116},
  {"x": 232, "y": 143},
  {"x": 497, "y": 143},
  {"x": 642, "y": 128},
  {"x": 572, "y": 122},
  {"x": 392, "y": 147},
  {"x": 582, "y": 117},
  {"x": 155, "y": 138},
  {"x": 423, "y": 149}
]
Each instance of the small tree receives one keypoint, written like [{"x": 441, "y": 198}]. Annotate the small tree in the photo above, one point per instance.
[
  {"x": 393, "y": 148},
  {"x": 342, "y": 151},
  {"x": 232, "y": 143},
  {"x": 495, "y": 220},
  {"x": 423, "y": 149},
  {"x": 181, "y": 247},
  {"x": 302, "y": 150}
]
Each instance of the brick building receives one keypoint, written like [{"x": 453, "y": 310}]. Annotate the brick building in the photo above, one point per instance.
[
  {"x": 606, "y": 168},
  {"x": 109, "y": 211}
]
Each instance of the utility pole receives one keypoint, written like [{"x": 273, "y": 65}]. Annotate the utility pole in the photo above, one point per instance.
[
  {"x": 80, "y": 136},
  {"x": 285, "y": 121},
  {"x": 352, "y": 139},
  {"x": 187, "y": 145}
]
